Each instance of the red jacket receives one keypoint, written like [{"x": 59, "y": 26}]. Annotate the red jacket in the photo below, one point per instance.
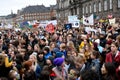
[{"x": 116, "y": 59}]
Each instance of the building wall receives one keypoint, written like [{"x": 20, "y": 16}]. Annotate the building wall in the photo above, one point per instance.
[
  {"x": 67, "y": 8},
  {"x": 82, "y": 7},
  {"x": 103, "y": 13},
  {"x": 40, "y": 16},
  {"x": 37, "y": 16}
]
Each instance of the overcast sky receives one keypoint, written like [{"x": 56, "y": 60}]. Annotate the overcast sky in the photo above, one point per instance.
[{"x": 6, "y": 6}]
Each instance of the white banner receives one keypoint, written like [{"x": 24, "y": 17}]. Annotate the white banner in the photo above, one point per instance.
[
  {"x": 74, "y": 21},
  {"x": 88, "y": 20},
  {"x": 72, "y": 18}
]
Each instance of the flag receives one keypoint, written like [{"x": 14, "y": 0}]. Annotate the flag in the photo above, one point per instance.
[
  {"x": 24, "y": 24},
  {"x": 88, "y": 20},
  {"x": 112, "y": 21},
  {"x": 50, "y": 28}
]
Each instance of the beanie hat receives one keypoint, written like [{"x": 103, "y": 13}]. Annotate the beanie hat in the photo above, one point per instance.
[
  {"x": 58, "y": 61},
  {"x": 59, "y": 54}
]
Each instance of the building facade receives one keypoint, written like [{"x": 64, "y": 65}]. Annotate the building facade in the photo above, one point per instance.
[
  {"x": 37, "y": 12},
  {"x": 67, "y": 8},
  {"x": 100, "y": 8}
]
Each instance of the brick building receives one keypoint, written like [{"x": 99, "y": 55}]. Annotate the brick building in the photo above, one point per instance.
[{"x": 37, "y": 12}]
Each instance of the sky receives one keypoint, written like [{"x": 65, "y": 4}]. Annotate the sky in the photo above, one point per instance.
[{"x": 6, "y": 6}]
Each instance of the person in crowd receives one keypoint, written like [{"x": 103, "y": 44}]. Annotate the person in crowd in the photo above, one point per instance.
[
  {"x": 74, "y": 74},
  {"x": 70, "y": 46},
  {"x": 5, "y": 65},
  {"x": 102, "y": 39},
  {"x": 47, "y": 52},
  {"x": 80, "y": 62},
  {"x": 35, "y": 65},
  {"x": 114, "y": 57},
  {"x": 118, "y": 41},
  {"x": 88, "y": 50},
  {"x": 108, "y": 71},
  {"x": 29, "y": 73},
  {"x": 63, "y": 49},
  {"x": 95, "y": 64},
  {"x": 36, "y": 48},
  {"x": 59, "y": 69},
  {"x": 83, "y": 43},
  {"x": 41, "y": 59},
  {"x": 14, "y": 75},
  {"x": 33, "y": 40},
  {"x": 89, "y": 75},
  {"x": 29, "y": 51},
  {"x": 50, "y": 64},
  {"x": 42, "y": 43},
  {"x": 45, "y": 73}
]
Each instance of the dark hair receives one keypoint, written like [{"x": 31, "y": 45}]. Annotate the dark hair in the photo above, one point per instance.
[
  {"x": 45, "y": 73},
  {"x": 89, "y": 75},
  {"x": 40, "y": 52},
  {"x": 96, "y": 54},
  {"x": 111, "y": 72},
  {"x": 110, "y": 67},
  {"x": 46, "y": 49}
]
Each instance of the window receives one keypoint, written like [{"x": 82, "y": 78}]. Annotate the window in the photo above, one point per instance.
[
  {"x": 83, "y": 10},
  {"x": 118, "y": 3},
  {"x": 94, "y": 7},
  {"x": 90, "y": 9},
  {"x": 77, "y": 10},
  {"x": 99, "y": 6},
  {"x": 105, "y": 5},
  {"x": 110, "y": 4},
  {"x": 86, "y": 9}
]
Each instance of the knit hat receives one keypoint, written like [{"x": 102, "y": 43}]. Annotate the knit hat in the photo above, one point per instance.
[
  {"x": 58, "y": 61},
  {"x": 59, "y": 54}
]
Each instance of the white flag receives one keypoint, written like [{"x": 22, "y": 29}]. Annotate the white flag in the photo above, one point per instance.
[
  {"x": 112, "y": 21},
  {"x": 88, "y": 20}
]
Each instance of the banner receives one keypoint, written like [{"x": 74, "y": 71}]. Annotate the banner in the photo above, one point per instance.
[
  {"x": 88, "y": 20},
  {"x": 112, "y": 21},
  {"x": 76, "y": 24},
  {"x": 50, "y": 28},
  {"x": 54, "y": 22},
  {"x": 74, "y": 21},
  {"x": 68, "y": 26},
  {"x": 72, "y": 18},
  {"x": 24, "y": 24},
  {"x": 9, "y": 26}
]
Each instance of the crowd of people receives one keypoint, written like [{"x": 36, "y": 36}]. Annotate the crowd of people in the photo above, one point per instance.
[{"x": 66, "y": 54}]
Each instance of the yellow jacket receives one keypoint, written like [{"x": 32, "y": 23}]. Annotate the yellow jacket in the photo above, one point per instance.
[
  {"x": 7, "y": 63},
  {"x": 82, "y": 45}
]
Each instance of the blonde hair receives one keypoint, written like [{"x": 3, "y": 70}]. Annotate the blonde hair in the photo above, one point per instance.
[
  {"x": 80, "y": 58},
  {"x": 71, "y": 44}
]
